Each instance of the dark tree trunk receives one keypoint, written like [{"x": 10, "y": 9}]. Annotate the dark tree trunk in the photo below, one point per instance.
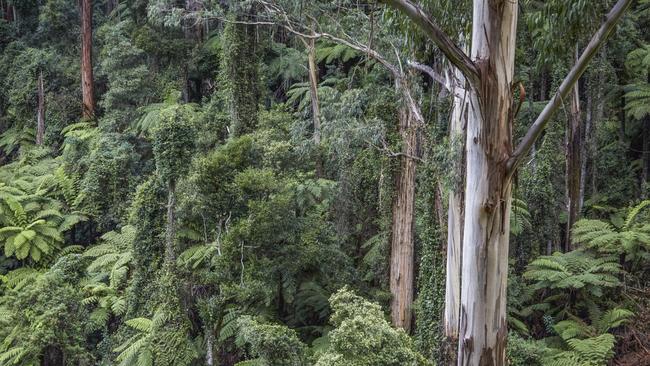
[
  {"x": 40, "y": 115},
  {"x": 87, "y": 88}
]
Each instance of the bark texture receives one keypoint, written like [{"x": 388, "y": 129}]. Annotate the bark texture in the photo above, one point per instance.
[
  {"x": 40, "y": 113},
  {"x": 402, "y": 261},
  {"x": 87, "y": 88},
  {"x": 483, "y": 327},
  {"x": 455, "y": 216}
]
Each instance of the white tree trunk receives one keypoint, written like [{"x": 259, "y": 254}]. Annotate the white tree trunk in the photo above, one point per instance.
[
  {"x": 483, "y": 327},
  {"x": 454, "y": 218}
]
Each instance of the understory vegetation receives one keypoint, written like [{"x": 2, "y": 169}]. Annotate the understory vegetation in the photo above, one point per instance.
[{"x": 235, "y": 190}]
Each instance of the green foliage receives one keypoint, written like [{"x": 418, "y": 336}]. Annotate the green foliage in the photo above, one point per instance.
[
  {"x": 271, "y": 344},
  {"x": 44, "y": 317},
  {"x": 364, "y": 337},
  {"x": 173, "y": 141},
  {"x": 632, "y": 238},
  {"x": 240, "y": 75},
  {"x": 572, "y": 281},
  {"x": 585, "y": 344}
]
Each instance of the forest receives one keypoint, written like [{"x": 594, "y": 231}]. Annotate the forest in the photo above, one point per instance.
[{"x": 325, "y": 182}]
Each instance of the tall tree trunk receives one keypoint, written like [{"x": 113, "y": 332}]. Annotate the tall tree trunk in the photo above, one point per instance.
[
  {"x": 40, "y": 114},
  {"x": 573, "y": 139},
  {"x": 645, "y": 155},
  {"x": 483, "y": 327},
  {"x": 315, "y": 106},
  {"x": 170, "y": 233},
  {"x": 313, "y": 90},
  {"x": 241, "y": 68},
  {"x": 584, "y": 148},
  {"x": 209, "y": 356},
  {"x": 645, "y": 158},
  {"x": 87, "y": 88},
  {"x": 455, "y": 217},
  {"x": 402, "y": 261}
]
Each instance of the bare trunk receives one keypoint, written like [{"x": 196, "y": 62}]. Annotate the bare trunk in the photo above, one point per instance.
[
  {"x": 40, "y": 115},
  {"x": 646, "y": 158},
  {"x": 483, "y": 327},
  {"x": 86, "y": 60},
  {"x": 583, "y": 149},
  {"x": 209, "y": 357},
  {"x": 402, "y": 261},
  {"x": 170, "y": 234},
  {"x": 313, "y": 90},
  {"x": 315, "y": 106},
  {"x": 455, "y": 220},
  {"x": 573, "y": 165}
]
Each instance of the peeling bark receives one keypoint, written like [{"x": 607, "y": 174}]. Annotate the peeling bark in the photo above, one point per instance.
[
  {"x": 483, "y": 329},
  {"x": 455, "y": 219},
  {"x": 402, "y": 260}
]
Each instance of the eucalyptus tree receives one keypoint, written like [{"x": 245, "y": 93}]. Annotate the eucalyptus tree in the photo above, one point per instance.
[
  {"x": 385, "y": 50},
  {"x": 492, "y": 161}
]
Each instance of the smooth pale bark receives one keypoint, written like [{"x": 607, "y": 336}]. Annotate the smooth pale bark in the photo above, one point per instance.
[
  {"x": 40, "y": 113},
  {"x": 402, "y": 260},
  {"x": 170, "y": 233},
  {"x": 573, "y": 160},
  {"x": 491, "y": 162},
  {"x": 455, "y": 215},
  {"x": 483, "y": 326},
  {"x": 209, "y": 357},
  {"x": 87, "y": 88}
]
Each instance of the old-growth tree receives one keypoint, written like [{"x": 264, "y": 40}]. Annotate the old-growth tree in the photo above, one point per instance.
[{"x": 492, "y": 161}]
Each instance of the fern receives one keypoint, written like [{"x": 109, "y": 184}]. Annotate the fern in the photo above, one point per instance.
[
  {"x": 571, "y": 280},
  {"x": 632, "y": 239}
]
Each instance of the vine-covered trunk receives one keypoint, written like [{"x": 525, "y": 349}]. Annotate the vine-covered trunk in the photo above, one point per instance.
[
  {"x": 483, "y": 327},
  {"x": 455, "y": 217},
  {"x": 170, "y": 233},
  {"x": 86, "y": 59},
  {"x": 241, "y": 68},
  {"x": 402, "y": 261},
  {"x": 40, "y": 113}
]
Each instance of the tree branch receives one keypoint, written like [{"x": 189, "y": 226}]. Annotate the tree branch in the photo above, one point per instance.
[
  {"x": 455, "y": 55},
  {"x": 578, "y": 69},
  {"x": 431, "y": 72}
]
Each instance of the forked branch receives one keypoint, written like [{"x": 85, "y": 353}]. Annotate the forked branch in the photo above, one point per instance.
[
  {"x": 454, "y": 54},
  {"x": 578, "y": 69}
]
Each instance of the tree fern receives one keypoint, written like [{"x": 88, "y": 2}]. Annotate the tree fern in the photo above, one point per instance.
[
  {"x": 632, "y": 239},
  {"x": 572, "y": 280}
]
